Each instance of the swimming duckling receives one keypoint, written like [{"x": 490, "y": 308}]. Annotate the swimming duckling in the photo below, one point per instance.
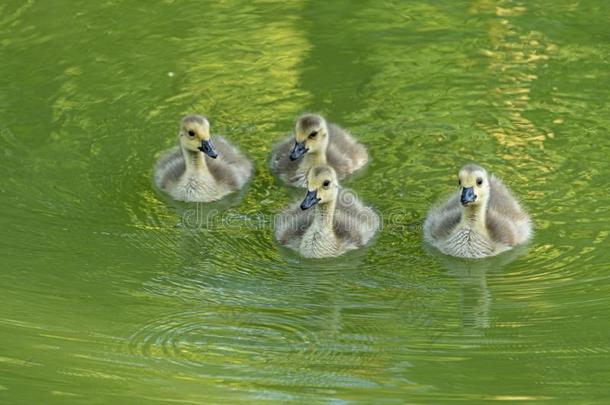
[
  {"x": 482, "y": 219},
  {"x": 330, "y": 220},
  {"x": 202, "y": 168},
  {"x": 316, "y": 143}
]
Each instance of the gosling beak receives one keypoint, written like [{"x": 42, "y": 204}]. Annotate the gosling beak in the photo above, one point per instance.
[
  {"x": 207, "y": 148},
  {"x": 310, "y": 200},
  {"x": 298, "y": 150},
  {"x": 468, "y": 196}
]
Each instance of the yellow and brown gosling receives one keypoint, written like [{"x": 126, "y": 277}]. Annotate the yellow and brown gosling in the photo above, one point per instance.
[
  {"x": 202, "y": 168},
  {"x": 329, "y": 221},
  {"x": 316, "y": 143},
  {"x": 481, "y": 219}
]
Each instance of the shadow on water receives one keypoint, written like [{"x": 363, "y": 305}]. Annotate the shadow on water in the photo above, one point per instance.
[{"x": 337, "y": 59}]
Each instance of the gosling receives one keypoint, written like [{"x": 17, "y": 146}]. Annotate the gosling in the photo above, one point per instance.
[
  {"x": 316, "y": 143},
  {"x": 482, "y": 219},
  {"x": 201, "y": 168},
  {"x": 329, "y": 222}
]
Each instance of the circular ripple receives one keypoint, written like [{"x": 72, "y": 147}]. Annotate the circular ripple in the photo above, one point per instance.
[
  {"x": 226, "y": 335},
  {"x": 286, "y": 346}
]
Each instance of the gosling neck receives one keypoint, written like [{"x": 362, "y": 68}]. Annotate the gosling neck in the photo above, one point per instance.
[
  {"x": 475, "y": 216},
  {"x": 324, "y": 215},
  {"x": 315, "y": 158},
  {"x": 194, "y": 160}
]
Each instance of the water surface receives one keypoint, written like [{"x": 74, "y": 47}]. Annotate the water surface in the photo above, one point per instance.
[{"x": 111, "y": 293}]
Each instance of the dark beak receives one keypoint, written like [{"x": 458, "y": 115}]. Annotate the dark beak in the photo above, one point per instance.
[
  {"x": 298, "y": 150},
  {"x": 310, "y": 200},
  {"x": 468, "y": 196},
  {"x": 207, "y": 148}
]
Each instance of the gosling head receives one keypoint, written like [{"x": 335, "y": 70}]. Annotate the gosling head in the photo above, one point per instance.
[
  {"x": 195, "y": 135},
  {"x": 474, "y": 182},
  {"x": 322, "y": 187},
  {"x": 310, "y": 135}
]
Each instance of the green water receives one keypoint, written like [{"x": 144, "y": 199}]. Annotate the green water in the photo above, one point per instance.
[{"x": 113, "y": 294}]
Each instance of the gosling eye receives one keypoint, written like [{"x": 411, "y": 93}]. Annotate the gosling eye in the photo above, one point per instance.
[
  {"x": 326, "y": 183},
  {"x": 479, "y": 181},
  {"x": 459, "y": 182},
  {"x": 191, "y": 133},
  {"x": 313, "y": 134}
]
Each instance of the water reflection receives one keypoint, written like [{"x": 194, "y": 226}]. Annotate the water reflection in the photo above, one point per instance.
[
  {"x": 515, "y": 57},
  {"x": 472, "y": 276},
  {"x": 336, "y": 59}
]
